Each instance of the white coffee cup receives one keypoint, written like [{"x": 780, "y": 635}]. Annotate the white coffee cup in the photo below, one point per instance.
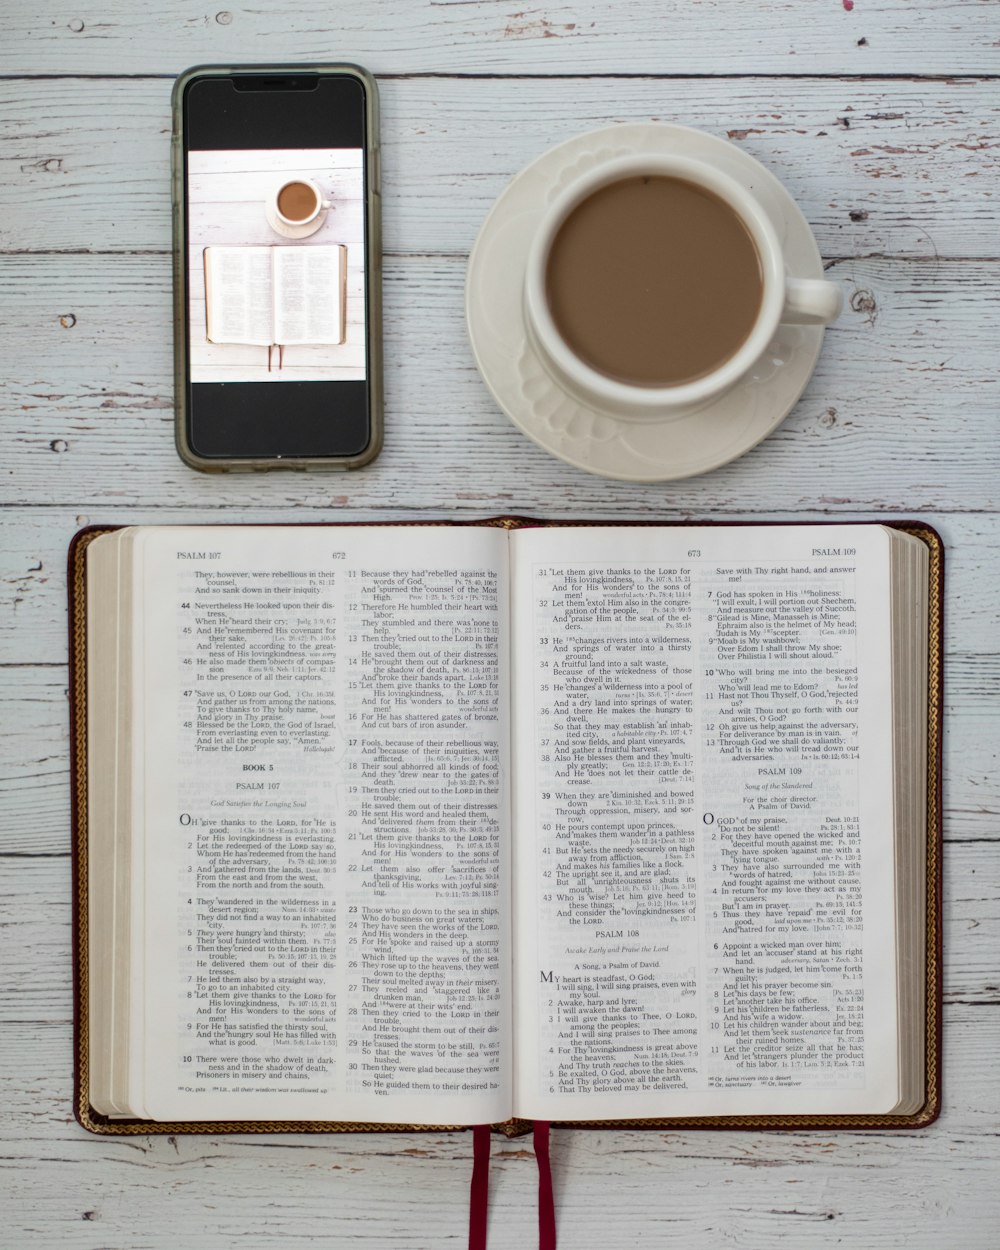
[
  {"x": 321, "y": 205},
  {"x": 785, "y": 298}
]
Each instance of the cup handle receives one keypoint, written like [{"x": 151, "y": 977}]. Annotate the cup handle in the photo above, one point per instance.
[
  {"x": 325, "y": 204},
  {"x": 811, "y": 302}
]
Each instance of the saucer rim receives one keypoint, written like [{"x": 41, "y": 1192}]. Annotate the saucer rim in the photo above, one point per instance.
[
  {"x": 292, "y": 232},
  {"x": 806, "y": 354}
]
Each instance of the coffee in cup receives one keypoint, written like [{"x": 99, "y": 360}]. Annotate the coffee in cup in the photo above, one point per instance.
[
  {"x": 655, "y": 283},
  {"x": 297, "y": 203}
]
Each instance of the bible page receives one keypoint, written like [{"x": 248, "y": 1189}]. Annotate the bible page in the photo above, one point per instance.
[
  {"x": 703, "y": 826},
  {"x": 326, "y": 823},
  {"x": 309, "y": 294},
  {"x": 238, "y": 295}
]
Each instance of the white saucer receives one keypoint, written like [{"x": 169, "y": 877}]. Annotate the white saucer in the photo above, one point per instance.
[
  {"x": 292, "y": 232},
  {"x": 648, "y": 451}
]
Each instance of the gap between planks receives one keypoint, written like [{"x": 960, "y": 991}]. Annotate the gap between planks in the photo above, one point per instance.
[
  {"x": 540, "y": 76},
  {"x": 830, "y": 262}
]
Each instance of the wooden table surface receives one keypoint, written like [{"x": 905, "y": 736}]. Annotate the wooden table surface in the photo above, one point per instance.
[{"x": 883, "y": 118}]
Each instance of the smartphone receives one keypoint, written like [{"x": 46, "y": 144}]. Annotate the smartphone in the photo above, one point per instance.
[{"x": 277, "y": 267}]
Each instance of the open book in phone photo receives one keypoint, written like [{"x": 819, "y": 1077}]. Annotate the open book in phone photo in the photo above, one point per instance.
[{"x": 279, "y": 296}]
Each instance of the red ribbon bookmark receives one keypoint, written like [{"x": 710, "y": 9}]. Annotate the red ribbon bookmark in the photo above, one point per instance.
[
  {"x": 479, "y": 1189},
  {"x": 546, "y": 1199},
  {"x": 479, "y": 1192}
]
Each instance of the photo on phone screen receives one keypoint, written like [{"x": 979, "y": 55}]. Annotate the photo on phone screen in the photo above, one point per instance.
[
  {"x": 278, "y": 248},
  {"x": 277, "y": 265}
]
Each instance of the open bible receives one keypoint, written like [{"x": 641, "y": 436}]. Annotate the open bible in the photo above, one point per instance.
[
  {"x": 277, "y": 296},
  {"x": 442, "y": 825}
]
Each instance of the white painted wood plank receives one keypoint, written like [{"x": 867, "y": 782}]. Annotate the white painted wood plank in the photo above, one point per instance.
[
  {"x": 900, "y": 415},
  {"x": 34, "y": 543},
  {"x": 35, "y": 889},
  {"x": 493, "y": 36},
  {"x": 34, "y": 761},
  {"x": 238, "y": 220},
  {"x": 230, "y": 175},
  {"x": 34, "y": 754},
  {"x": 615, "y": 1188},
  {"x": 35, "y": 1052},
  {"x": 35, "y": 972},
  {"x": 892, "y": 166}
]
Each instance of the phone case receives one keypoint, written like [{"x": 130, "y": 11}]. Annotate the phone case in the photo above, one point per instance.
[{"x": 373, "y": 275}]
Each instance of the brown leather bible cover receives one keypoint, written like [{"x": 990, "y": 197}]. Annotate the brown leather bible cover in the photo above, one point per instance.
[{"x": 97, "y": 1123}]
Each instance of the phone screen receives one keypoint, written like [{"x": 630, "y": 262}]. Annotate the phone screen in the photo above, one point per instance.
[{"x": 276, "y": 228}]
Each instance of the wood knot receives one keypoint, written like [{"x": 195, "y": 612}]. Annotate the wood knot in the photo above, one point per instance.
[
  {"x": 76, "y": 25},
  {"x": 858, "y": 214},
  {"x": 47, "y": 165},
  {"x": 829, "y": 418},
  {"x": 224, "y": 18},
  {"x": 862, "y": 301},
  {"x": 67, "y": 321},
  {"x": 58, "y": 444}
]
